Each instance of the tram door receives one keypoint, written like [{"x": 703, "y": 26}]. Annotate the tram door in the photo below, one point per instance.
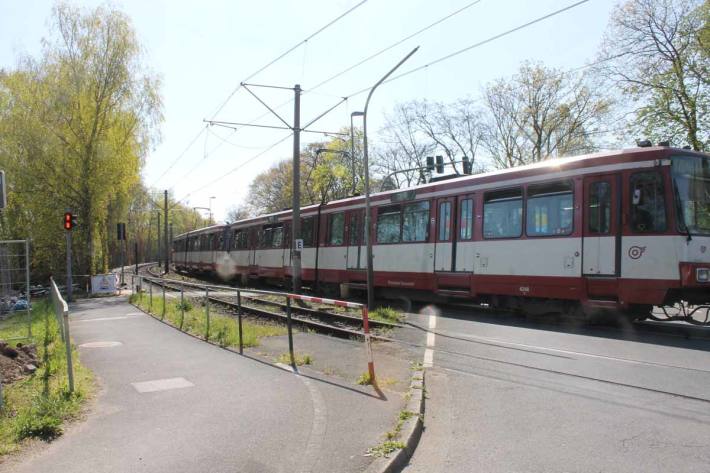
[
  {"x": 355, "y": 239},
  {"x": 253, "y": 243},
  {"x": 601, "y": 245},
  {"x": 445, "y": 238}
]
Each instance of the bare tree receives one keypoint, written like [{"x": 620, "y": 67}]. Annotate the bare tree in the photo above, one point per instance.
[
  {"x": 656, "y": 52},
  {"x": 237, "y": 212},
  {"x": 541, "y": 113},
  {"x": 419, "y": 129}
]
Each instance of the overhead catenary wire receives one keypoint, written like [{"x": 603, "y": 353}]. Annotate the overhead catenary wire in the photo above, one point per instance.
[
  {"x": 372, "y": 56},
  {"x": 253, "y": 74},
  {"x": 476, "y": 45},
  {"x": 180, "y": 156},
  {"x": 235, "y": 169},
  {"x": 261, "y": 153},
  {"x": 411, "y": 71},
  {"x": 286, "y": 53},
  {"x": 393, "y": 45}
]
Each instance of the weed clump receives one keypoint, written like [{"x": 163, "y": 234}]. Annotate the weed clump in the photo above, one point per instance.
[
  {"x": 300, "y": 360},
  {"x": 364, "y": 379},
  {"x": 386, "y": 314},
  {"x": 385, "y": 448}
]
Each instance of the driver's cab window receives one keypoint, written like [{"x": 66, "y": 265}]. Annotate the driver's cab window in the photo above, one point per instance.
[{"x": 648, "y": 207}]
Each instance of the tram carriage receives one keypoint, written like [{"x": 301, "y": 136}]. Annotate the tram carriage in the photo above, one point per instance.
[{"x": 621, "y": 231}]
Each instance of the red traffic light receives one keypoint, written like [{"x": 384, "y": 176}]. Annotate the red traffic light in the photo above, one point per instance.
[{"x": 69, "y": 221}]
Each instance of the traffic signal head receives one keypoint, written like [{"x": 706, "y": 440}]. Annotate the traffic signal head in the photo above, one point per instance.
[
  {"x": 69, "y": 221},
  {"x": 439, "y": 164},
  {"x": 467, "y": 165}
]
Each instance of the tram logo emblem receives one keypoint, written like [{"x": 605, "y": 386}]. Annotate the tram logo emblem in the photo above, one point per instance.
[{"x": 635, "y": 252}]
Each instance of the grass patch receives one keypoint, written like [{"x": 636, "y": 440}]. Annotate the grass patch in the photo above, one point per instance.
[
  {"x": 190, "y": 317},
  {"x": 38, "y": 406},
  {"x": 300, "y": 360},
  {"x": 386, "y": 314}
]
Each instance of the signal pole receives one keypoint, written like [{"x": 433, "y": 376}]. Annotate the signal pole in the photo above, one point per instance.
[
  {"x": 69, "y": 223},
  {"x": 165, "y": 231}
]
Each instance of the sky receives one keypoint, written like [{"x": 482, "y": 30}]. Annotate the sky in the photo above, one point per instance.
[{"x": 202, "y": 50}]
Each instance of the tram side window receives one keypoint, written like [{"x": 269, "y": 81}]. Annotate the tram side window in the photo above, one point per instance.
[
  {"x": 307, "y": 231},
  {"x": 550, "y": 209},
  {"x": 599, "y": 207},
  {"x": 415, "y": 224},
  {"x": 466, "y": 219},
  {"x": 277, "y": 234},
  {"x": 267, "y": 237},
  {"x": 503, "y": 213},
  {"x": 389, "y": 222},
  {"x": 239, "y": 240},
  {"x": 648, "y": 207},
  {"x": 336, "y": 228},
  {"x": 444, "y": 221}
]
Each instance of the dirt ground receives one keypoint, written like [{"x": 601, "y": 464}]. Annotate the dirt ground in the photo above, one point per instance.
[{"x": 18, "y": 362}]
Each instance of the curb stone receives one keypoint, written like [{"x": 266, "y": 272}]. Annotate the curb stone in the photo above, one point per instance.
[{"x": 410, "y": 433}]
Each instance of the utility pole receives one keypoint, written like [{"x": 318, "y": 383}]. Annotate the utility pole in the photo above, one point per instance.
[
  {"x": 171, "y": 237},
  {"x": 165, "y": 230},
  {"x": 159, "y": 249},
  {"x": 148, "y": 254},
  {"x": 296, "y": 203},
  {"x": 296, "y": 128}
]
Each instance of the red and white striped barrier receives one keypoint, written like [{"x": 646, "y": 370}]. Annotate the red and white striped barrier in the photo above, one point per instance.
[
  {"x": 365, "y": 324},
  {"x": 320, "y": 300}
]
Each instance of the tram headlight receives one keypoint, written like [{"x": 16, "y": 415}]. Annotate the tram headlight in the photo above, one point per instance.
[{"x": 702, "y": 274}]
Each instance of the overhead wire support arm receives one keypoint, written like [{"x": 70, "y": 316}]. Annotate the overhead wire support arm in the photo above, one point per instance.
[
  {"x": 325, "y": 113},
  {"x": 266, "y": 86},
  {"x": 234, "y": 125},
  {"x": 265, "y": 105}
]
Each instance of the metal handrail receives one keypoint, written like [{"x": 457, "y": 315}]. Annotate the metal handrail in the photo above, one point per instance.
[{"x": 61, "y": 312}]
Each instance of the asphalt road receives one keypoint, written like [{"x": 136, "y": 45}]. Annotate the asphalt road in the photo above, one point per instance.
[
  {"x": 506, "y": 395},
  {"x": 171, "y": 403}
]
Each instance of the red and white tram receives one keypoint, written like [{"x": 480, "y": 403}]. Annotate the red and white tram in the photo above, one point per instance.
[{"x": 623, "y": 230}]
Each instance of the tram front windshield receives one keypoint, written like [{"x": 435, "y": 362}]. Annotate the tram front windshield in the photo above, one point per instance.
[{"x": 691, "y": 186}]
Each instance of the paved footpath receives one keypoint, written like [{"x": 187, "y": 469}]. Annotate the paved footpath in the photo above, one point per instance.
[{"x": 169, "y": 402}]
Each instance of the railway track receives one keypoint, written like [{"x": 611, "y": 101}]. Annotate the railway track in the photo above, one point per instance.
[
  {"x": 252, "y": 302},
  {"x": 699, "y": 331}
]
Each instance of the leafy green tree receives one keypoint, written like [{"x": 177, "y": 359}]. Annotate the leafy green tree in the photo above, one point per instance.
[
  {"x": 325, "y": 175},
  {"x": 75, "y": 127},
  {"x": 656, "y": 52}
]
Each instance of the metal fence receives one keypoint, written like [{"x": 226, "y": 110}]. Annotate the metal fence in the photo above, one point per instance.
[
  {"x": 15, "y": 289},
  {"x": 61, "y": 312},
  {"x": 186, "y": 290}
]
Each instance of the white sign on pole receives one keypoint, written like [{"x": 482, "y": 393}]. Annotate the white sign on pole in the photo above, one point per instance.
[
  {"x": 103, "y": 284},
  {"x": 299, "y": 244}
]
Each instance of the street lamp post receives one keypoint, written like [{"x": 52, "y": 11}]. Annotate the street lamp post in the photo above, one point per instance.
[
  {"x": 199, "y": 208},
  {"x": 368, "y": 242},
  {"x": 352, "y": 145},
  {"x": 210, "y": 208}
]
